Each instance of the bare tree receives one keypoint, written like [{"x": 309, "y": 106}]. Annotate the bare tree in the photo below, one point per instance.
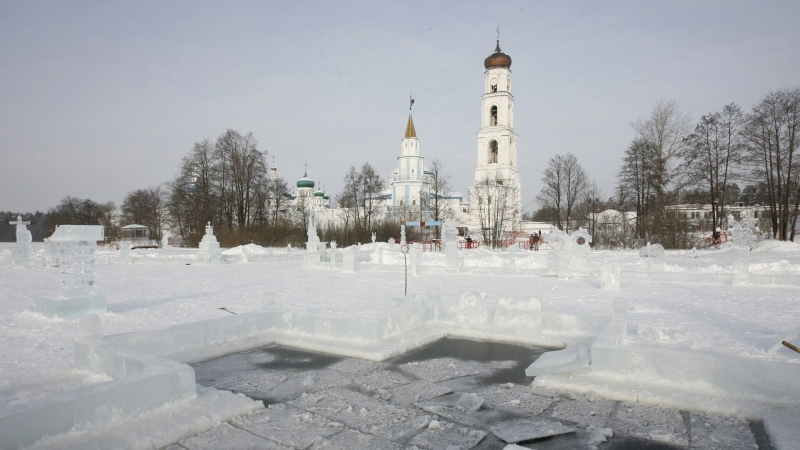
[
  {"x": 438, "y": 199},
  {"x": 636, "y": 182},
  {"x": 712, "y": 154},
  {"x": 145, "y": 207},
  {"x": 772, "y": 132},
  {"x": 495, "y": 199},
  {"x": 565, "y": 186},
  {"x": 665, "y": 131},
  {"x": 370, "y": 186}
]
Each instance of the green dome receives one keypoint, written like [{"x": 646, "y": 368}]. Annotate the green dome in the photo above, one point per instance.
[
  {"x": 305, "y": 182},
  {"x": 319, "y": 194}
]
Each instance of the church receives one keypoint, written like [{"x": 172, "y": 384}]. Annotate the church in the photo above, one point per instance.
[{"x": 495, "y": 197}]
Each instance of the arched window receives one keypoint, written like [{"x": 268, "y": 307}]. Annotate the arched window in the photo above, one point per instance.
[
  {"x": 493, "y": 85},
  {"x": 493, "y": 152},
  {"x": 493, "y": 116}
]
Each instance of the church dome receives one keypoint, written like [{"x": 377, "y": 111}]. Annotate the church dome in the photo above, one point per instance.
[
  {"x": 319, "y": 193},
  {"x": 305, "y": 182},
  {"x": 497, "y": 59}
]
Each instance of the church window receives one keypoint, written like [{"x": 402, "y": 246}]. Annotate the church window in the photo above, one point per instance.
[
  {"x": 493, "y": 116},
  {"x": 493, "y": 152},
  {"x": 508, "y": 83},
  {"x": 401, "y": 203},
  {"x": 493, "y": 85},
  {"x": 414, "y": 202}
]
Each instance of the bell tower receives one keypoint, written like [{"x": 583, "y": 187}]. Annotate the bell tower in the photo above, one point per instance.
[{"x": 497, "y": 142}]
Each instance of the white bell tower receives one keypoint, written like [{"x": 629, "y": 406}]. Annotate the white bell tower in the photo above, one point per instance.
[{"x": 497, "y": 144}]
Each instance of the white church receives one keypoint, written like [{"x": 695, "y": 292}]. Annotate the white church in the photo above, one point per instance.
[{"x": 496, "y": 189}]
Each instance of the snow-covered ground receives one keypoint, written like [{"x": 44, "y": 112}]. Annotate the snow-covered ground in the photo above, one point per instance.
[{"x": 36, "y": 353}]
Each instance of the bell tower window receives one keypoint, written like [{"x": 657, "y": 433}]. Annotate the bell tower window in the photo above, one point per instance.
[
  {"x": 493, "y": 85},
  {"x": 493, "y": 116},
  {"x": 493, "y": 152}
]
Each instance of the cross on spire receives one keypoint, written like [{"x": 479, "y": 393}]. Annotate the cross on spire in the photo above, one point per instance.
[
  {"x": 498, "y": 32},
  {"x": 411, "y": 102}
]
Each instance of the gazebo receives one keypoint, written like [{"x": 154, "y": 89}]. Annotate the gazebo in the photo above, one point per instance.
[{"x": 138, "y": 236}]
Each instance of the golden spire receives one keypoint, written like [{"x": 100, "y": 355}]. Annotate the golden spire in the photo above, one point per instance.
[{"x": 410, "y": 131}]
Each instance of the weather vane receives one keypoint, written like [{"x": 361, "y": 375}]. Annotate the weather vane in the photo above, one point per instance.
[{"x": 412, "y": 102}]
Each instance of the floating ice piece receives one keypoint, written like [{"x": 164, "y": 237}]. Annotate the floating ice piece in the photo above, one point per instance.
[
  {"x": 521, "y": 430},
  {"x": 571, "y": 359},
  {"x": 470, "y": 402}
]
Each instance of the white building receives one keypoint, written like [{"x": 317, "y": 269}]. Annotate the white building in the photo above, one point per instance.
[
  {"x": 497, "y": 171},
  {"x": 410, "y": 193}
]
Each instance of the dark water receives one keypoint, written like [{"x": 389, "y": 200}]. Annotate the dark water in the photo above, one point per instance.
[{"x": 279, "y": 359}]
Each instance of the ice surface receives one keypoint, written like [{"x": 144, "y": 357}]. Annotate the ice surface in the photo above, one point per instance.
[
  {"x": 360, "y": 412},
  {"x": 230, "y": 437},
  {"x": 518, "y": 398},
  {"x": 609, "y": 277},
  {"x": 441, "y": 369},
  {"x": 520, "y": 430},
  {"x": 288, "y": 425},
  {"x": 417, "y": 391},
  {"x": 351, "y": 440},
  {"x": 650, "y": 422},
  {"x": 382, "y": 379},
  {"x": 713, "y": 432},
  {"x": 583, "y": 412},
  {"x": 448, "y": 436},
  {"x": 355, "y": 366}
]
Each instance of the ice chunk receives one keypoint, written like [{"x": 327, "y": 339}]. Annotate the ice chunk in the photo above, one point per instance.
[
  {"x": 570, "y": 359},
  {"x": 470, "y": 402},
  {"x": 520, "y": 430}
]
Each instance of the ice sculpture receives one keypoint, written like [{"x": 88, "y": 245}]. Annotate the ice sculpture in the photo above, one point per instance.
[
  {"x": 164, "y": 239},
  {"x": 78, "y": 297},
  {"x": 568, "y": 253},
  {"x": 652, "y": 256},
  {"x": 450, "y": 238},
  {"x": 693, "y": 263},
  {"x": 609, "y": 277},
  {"x": 743, "y": 238},
  {"x": 373, "y": 237},
  {"x": 50, "y": 253},
  {"x": 333, "y": 251},
  {"x": 313, "y": 244},
  {"x": 22, "y": 252},
  {"x": 125, "y": 251},
  {"x": 402, "y": 234},
  {"x": 209, "y": 251}
]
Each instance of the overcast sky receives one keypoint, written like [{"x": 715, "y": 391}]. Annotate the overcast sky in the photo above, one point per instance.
[{"x": 100, "y": 98}]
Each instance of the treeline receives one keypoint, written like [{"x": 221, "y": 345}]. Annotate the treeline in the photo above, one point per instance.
[{"x": 673, "y": 160}]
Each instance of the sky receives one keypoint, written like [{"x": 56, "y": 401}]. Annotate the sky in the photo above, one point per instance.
[{"x": 98, "y": 99}]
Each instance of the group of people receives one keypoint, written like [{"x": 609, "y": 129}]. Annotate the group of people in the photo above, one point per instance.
[{"x": 533, "y": 242}]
